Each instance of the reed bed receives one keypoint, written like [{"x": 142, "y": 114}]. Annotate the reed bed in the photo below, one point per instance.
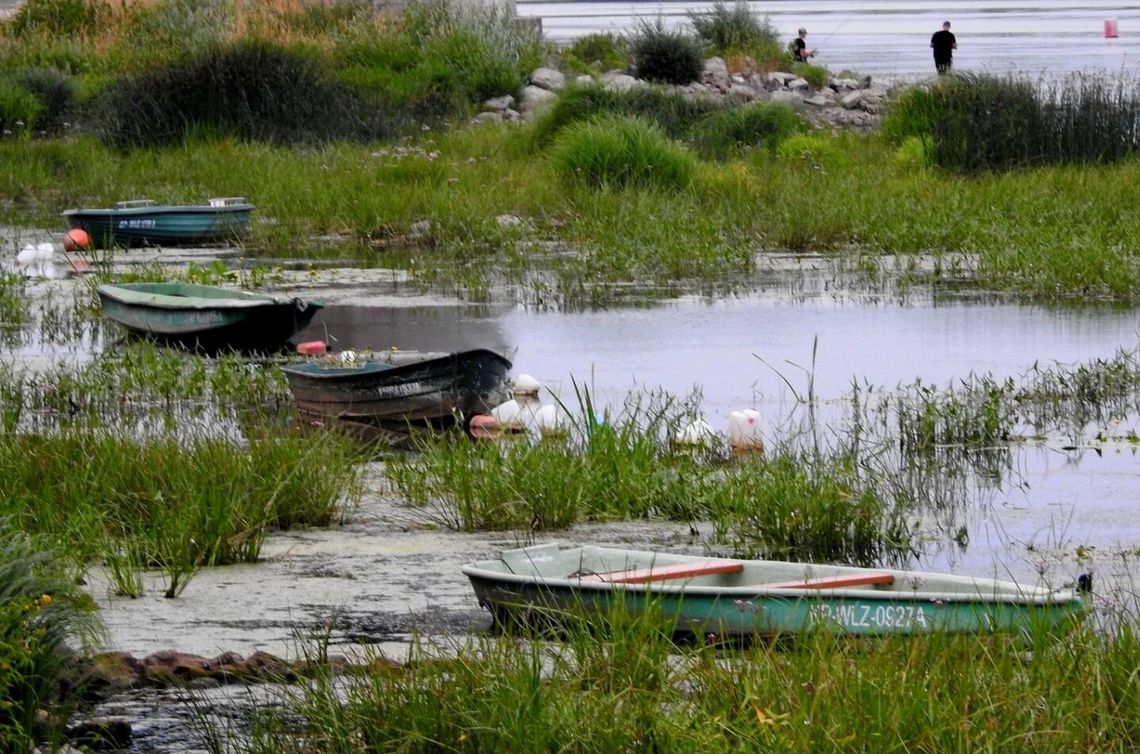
[{"x": 630, "y": 688}]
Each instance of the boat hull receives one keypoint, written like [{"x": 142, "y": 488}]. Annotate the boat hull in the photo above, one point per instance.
[
  {"x": 400, "y": 391},
  {"x": 724, "y": 606},
  {"x": 190, "y": 225},
  {"x": 205, "y": 318}
]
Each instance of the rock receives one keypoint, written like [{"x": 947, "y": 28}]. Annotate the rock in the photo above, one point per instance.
[
  {"x": 851, "y": 100},
  {"x": 420, "y": 228},
  {"x": 509, "y": 221},
  {"x": 715, "y": 74},
  {"x": 742, "y": 93},
  {"x": 844, "y": 85},
  {"x": 616, "y": 81},
  {"x": 786, "y": 97},
  {"x": 799, "y": 85},
  {"x": 105, "y": 734},
  {"x": 499, "y": 104},
  {"x": 584, "y": 80},
  {"x": 817, "y": 100},
  {"x": 548, "y": 79},
  {"x": 535, "y": 98},
  {"x": 780, "y": 78},
  {"x": 488, "y": 117}
]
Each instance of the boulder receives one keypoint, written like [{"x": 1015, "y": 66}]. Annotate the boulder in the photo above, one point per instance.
[
  {"x": 615, "y": 81},
  {"x": 786, "y": 97},
  {"x": 548, "y": 79},
  {"x": 715, "y": 74},
  {"x": 535, "y": 98},
  {"x": 798, "y": 85},
  {"x": 499, "y": 104}
]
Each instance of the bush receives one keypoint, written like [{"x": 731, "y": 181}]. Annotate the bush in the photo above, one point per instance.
[
  {"x": 671, "y": 111},
  {"x": 253, "y": 91},
  {"x": 663, "y": 56},
  {"x": 40, "y": 613},
  {"x": 763, "y": 125},
  {"x": 615, "y": 151},
  {"x": 733, "y": 29},
  {"x": 596, "y": 53},
  {"x": 55, "y": 91}
]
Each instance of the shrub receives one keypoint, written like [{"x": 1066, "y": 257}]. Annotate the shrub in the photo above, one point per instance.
[
  {"x": 674, "y": 113},
  {"x": 41, "y": 611},
  {"x": 664, "y": 56},
  {"x": 763, "y": 125},
  {"x": 615, "y": 151},
  {"x": 731, "y": 29},
  {"x": 812, "y": 149},
  {"x": 254, "y": 91},
  {"x": 54, "y": 90},
  {"x": 596, "y": 53}
]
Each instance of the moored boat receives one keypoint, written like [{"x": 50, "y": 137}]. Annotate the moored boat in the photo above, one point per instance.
[
  {"x": 143, "y": 222},
  {"x": 749, "y": 598},
  {"x": 398, "y": 390},
  {"x": 206, "y": 317}
]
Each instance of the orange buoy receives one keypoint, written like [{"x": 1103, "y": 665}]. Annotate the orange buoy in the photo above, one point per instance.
[
  {"x": 1110, "y": 30},
  {"x": 312, "y": 347},
  {"x": 76, "y": 240}
]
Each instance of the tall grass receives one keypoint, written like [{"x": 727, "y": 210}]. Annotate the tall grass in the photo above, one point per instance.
[
  {"x": 727, "y": 30},
  {"x": 611, "y": 151},
  {"x": 634, "y": 690},
  {"x": 43, "y": 621}
]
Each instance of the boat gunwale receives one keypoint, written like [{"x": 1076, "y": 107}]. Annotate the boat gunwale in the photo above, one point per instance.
[
  {"x": 1016, "y": 595},
  {"x": 160, "y": 209},
  {"x": 240, "y": 300},
  {"x": 319, "y": 373}
]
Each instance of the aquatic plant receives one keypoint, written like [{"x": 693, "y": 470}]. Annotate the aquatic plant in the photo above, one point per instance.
[{"x": 44, "y": 620}]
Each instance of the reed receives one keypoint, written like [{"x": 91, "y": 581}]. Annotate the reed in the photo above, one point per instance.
[{"x": 631, "y": 688}]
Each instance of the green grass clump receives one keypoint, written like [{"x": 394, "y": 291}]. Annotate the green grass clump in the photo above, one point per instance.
[
  {"x": 813, "y": 150},
  {"x": 674, "y": 113},
  {"x": 728, "y": 132},
  {"x": 664, "y": 56},
  {"x": 629, "y": 688},
  {"x": 19, "y": 110},
  {"x": 816, "y": 75},
  {"x": 596, "y": 53},
  {"x": 44, "y": 619},
  {"x": 614, "y": 151}
]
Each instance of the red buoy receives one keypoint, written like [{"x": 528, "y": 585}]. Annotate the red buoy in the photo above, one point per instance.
[{"x": 312, "y": 347}]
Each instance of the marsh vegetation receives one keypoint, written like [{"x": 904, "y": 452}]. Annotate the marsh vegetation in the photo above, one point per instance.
[{"x": 190, "y": 462}]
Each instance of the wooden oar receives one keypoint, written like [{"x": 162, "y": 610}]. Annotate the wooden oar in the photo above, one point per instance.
[{"x": 663, "y": 573}]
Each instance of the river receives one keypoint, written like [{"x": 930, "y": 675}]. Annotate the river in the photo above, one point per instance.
[{"x": 892, "y": 39}]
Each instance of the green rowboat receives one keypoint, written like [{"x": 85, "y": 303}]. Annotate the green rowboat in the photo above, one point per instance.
[
  {"x": 749, "y": 598},
  {"x": 142, "y": 222},
  {"x": 206, "y": 317}
]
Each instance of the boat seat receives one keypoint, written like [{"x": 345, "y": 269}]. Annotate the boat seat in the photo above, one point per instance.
[
  {"x": 837, "y": 582},
  {"x": 665, "y": 573}
]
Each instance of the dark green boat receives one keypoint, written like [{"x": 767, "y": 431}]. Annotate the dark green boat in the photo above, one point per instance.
[
  {"x": 206, "y": 317},
  {"x": 142, "y": 222},
  {"x": 747, "y": 598}
]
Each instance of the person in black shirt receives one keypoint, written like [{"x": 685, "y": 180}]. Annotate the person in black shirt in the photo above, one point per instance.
[
  {"x": 799, "y": 48},
  {"x": 943, "y": 43}
]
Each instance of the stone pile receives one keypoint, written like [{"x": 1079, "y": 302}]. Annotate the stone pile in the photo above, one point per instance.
[{"x": 844, "y": 102}]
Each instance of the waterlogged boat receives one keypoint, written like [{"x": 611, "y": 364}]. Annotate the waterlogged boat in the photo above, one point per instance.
[
  {"x": 395, "y": 391},
  {"x": 206, "y": 317},
  {"x": 748, "y": 598},
  {"x": 143, "y": 222}
]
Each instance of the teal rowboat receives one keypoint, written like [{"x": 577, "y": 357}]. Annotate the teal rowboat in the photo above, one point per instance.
[
  {"x": 206, "y": 318},
  {"x": 749, "y": 598},
  {"x": 142, "y": 222}
]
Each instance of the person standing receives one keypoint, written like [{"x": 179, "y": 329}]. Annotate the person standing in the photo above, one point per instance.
[
  {"x": 799, "y": 48},
  {"x": 943, "y": 43}
]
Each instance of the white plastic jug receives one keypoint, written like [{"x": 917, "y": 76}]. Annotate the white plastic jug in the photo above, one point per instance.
[
  {"x": 697, "y": 432},
  {"x": 744, "y": 431}
]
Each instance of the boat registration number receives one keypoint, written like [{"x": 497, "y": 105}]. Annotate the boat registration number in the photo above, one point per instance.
[
  {"x": 137, "y": 222},
  {"x": 871, "y": 616}
]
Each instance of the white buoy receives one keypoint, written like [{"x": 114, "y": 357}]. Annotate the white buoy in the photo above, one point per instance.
[
  {"x": 35, "y": 254},
  {"x": 508, "y": 415},
  {"x": 697, "y": 432},
  {"x": 525, "y": 384},
  {"x": 744, "y": 432},
  {"x": 550, "y": 421}
]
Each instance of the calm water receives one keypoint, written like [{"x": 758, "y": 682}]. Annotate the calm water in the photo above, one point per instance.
[{"x": 892, "y": 39}]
